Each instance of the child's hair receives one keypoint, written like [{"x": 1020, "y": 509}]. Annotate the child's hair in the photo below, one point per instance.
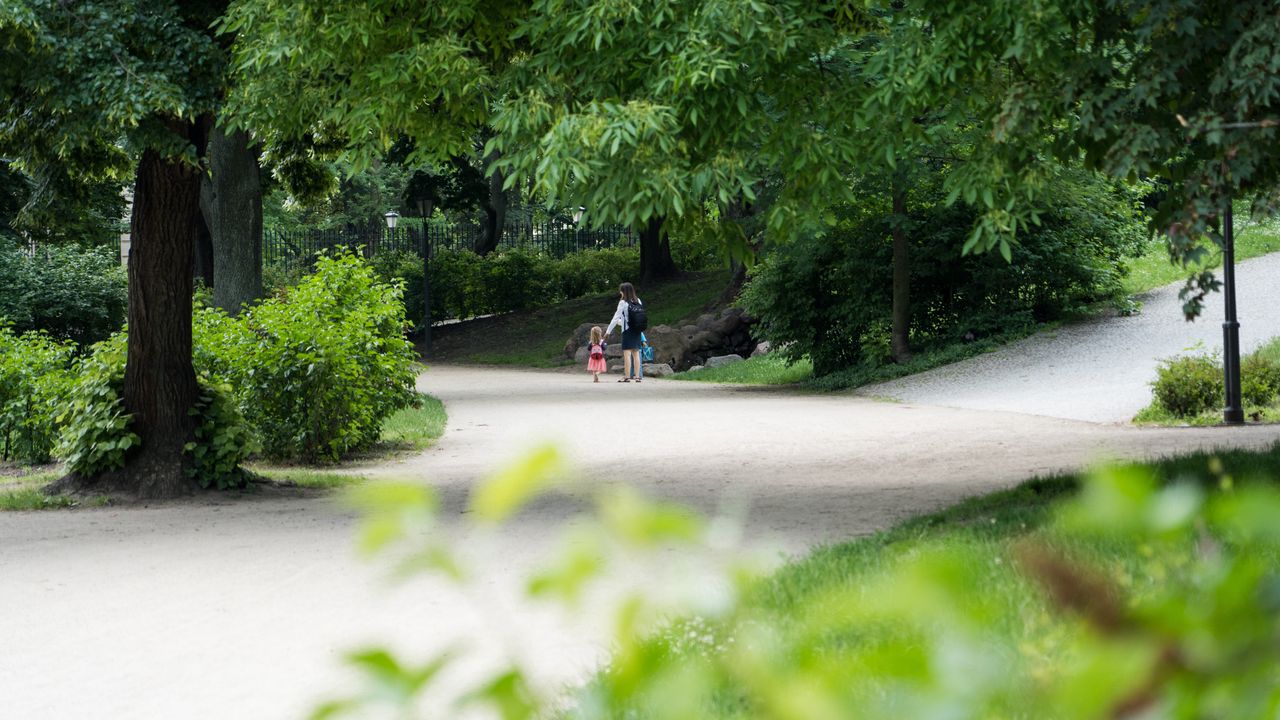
[{"x": 596, "y": 335}]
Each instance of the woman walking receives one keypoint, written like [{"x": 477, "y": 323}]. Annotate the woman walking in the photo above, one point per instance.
[{"x": 630, "y": 317}]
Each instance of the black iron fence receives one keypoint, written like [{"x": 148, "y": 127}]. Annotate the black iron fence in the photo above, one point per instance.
[{"x": 299, "y": 247}]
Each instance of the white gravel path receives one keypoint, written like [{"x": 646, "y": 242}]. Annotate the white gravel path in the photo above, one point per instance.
[{"x": 1098, "y": 370}]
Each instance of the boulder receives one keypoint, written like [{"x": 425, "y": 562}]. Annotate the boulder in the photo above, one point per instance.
[
  {"x": 613, "y": 350},
  {"x": 581, "y": 355},
  {"x": 658, "y": 370},
  {"x": 722, "y": 360},
  {"x": 696, "y": 367},
  {"x": 615, "y": 367},
  {"x": 580, "y": 337},
  {"x": 762, "y": 348},
  {"x": 705, "y": 321}
]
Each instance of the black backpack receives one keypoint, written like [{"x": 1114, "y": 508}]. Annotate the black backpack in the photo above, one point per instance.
[{"x": 636, "y": 318}]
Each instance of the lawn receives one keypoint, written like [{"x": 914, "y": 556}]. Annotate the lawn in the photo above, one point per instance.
[
  {"x": 1156, "y": 414},
  {"x": 1153, "y": 269},
  {"x": 974, "y": 547},
  {"x": 535, "y": 338}
]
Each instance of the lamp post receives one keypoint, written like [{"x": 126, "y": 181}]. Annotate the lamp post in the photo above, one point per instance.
[
  {"x": 1233, "y": 413},
  {"x": 426, "y": 277}
]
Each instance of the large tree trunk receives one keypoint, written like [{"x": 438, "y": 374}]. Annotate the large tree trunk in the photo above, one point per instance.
[
  {"x": 203, "y": 256},
  {"x": 655, "y": 253},
  {"x": 495, "y": 213},
  {"x": 159, "y": 381},
  {"x": 900, "y": 332},
  {"x": 231, "y": 201}
]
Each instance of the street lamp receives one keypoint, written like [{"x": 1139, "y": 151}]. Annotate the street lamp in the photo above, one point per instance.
[
  {"x": 392, "y": 218},
  {"x": 577, "y": 214},
  {"x": 1233, "y": 413}
]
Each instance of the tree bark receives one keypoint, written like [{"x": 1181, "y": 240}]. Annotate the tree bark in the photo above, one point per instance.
[
  {"x": 900, "y": 332},
  {"x": 231, "y": 201},
  {"x": 159, "y": 381},
  {"x": 655, "y": 253},
  {"x": 203, "y": 254},
  {"x": 495, "y": 213}
]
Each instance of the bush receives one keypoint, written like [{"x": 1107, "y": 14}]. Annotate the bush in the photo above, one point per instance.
[
  {"x": 35, "y": 376},
  {"x": 1259, "y": 380},
  {"x": 97, "y": 435},
  {"x": 464, "y": 284},
  {"x": 72, "y": 293},
  {"x": 1189, "y": 385},
  {"x": 829, "y": 297},
  {"x": 318, "y": 368}
]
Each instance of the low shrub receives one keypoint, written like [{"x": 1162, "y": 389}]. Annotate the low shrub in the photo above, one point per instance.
[
  {"x": 1189, "y": 385},
  {"x": 1259, "y": 379},
  {"x": 318, "y": 368},
  {"x": 96, "y": 434},
  {"x": 36, "y": 373},
  {"x": 72, "y": 293}
]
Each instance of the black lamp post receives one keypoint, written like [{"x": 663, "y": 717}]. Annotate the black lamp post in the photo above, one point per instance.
[
  {"x": 1233, "y": 413},
  {"x": 426, "y": 277}
]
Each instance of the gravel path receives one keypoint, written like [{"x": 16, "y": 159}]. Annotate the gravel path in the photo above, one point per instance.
[
  {"x": 223, "y": 608},
  {"x": 1098, "y": 370}
]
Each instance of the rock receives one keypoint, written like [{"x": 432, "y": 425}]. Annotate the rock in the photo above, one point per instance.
[
  {"x": 703, "y": 340},
  {"x": 615, "y": 367},
  {"x": 696, "y": 367},
  {"x": 722, "y": 360},
  {"x": 705, "y": 321},
  {"x": 613, "y": 350},
  {"x": 658, "y": 370},
  {"x": 581, "y": 355},
  {"x": 579, "y": 338},
  {"x": 762, "y": 348}
]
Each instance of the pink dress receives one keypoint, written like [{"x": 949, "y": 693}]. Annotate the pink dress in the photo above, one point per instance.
[{"x": 596, "y": 363}]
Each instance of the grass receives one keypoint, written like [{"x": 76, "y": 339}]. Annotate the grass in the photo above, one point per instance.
[
  {"x": 22, "y": 492},
  {"x": 535, "y": 338},
  {"x": 986, "y": 529},
  {"x": 771, "y": 369},
  {"x": 1153, "y": 269},
  {"x": 415, "y": 428}
]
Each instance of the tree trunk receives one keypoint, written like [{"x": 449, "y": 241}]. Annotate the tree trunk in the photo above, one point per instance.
[
  {"x": 231, "y": 200},
  {"x": 655, "y": 253},
  {"x": 495, "y": 213},
  {"x": 900, "y": 333},
  {"x": 159, "y": 381},
  {"x": 203, "y": 252}
]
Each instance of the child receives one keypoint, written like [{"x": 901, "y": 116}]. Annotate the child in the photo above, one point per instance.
[{"x": 595, "y": 363}]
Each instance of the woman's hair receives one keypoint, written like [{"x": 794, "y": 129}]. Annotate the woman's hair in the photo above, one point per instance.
[
  {"x": 596, "y": 335},
  {"x": 628, "y": 292}
]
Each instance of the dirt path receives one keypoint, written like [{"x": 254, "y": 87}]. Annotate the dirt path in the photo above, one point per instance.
[
  {"x": 1099, "y": 369},
  {"x": 241, "y": 609}
]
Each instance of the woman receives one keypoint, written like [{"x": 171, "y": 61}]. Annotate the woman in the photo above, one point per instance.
[{"x": 632, "y": 326}]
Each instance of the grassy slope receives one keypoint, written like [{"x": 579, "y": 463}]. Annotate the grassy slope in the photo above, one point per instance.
[
  {"x": 535, "y": 338},
  {"x": 988, "y": 526},
  {"x": 1146, "y": 272}
]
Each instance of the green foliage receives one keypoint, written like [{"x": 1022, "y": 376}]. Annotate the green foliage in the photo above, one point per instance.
[
  {"x": 1169, "y": 90},
  {"x": 415, "y": 427},
  {"x": 222, "y": 439},
  {"x": 1259, "y": 379},
  {"x": 1189, "y": 384},
  {"x": 319, "y": 367},
  {"x": 96, "y": 434},
  {"x": 770, "y": 369},
  {"x": 464, "y": 284},
  {"x": 828, "y": 297},
  {"x": 1146, "y": 589},
  {"x": 36, "y": 373},
  {"x": 72, "y": 293}
]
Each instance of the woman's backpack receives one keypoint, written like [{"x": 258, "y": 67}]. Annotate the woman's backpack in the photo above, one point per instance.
[{"x": 636, "y": 318}]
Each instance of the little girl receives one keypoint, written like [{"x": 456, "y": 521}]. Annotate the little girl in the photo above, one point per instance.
[{"x": 595, "y": 362}]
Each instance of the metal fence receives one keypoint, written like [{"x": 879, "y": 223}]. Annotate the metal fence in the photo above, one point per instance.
[{"x": 299, "y": 248}]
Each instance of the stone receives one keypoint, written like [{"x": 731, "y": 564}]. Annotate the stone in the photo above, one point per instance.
[
  {"x": 722, "y": 360},
  {"x": 762, "y": 348},
  {"x": 705, "y": 321},
  {"x": 615, "y": 367},
  {"x": 658, "y": 370},
  {"x": 696, "y": 367},
  {"x": 581, "y": 355},
  {"x": 580, "y": 337},
  {"x": 613, "y": 350}
]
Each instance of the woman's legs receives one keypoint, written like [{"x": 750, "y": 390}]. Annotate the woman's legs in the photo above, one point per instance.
[{"x": 626, "y": 363}]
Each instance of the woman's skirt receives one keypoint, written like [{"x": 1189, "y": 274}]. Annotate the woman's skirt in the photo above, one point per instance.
[{"x": 631, "y": 340}]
